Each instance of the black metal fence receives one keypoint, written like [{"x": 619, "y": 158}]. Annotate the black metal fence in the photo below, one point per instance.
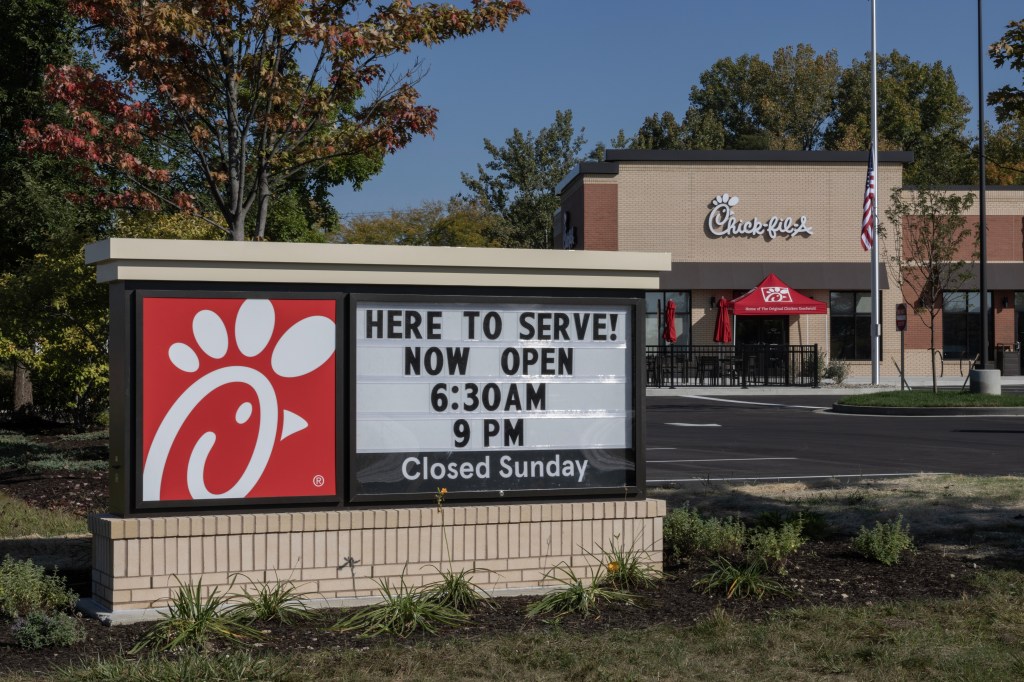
[{"x": 722, "y": 365}]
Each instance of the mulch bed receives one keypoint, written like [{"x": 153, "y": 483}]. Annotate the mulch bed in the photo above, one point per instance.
[{"x": 824, "y": 572}]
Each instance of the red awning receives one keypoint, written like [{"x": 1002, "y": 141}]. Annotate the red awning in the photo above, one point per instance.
[{"x": 774, "y": 297}]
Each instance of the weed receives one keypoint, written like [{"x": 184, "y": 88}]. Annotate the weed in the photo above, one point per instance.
[
  {"x": 25, "y": 587},
  {"x": 192, "y": 620},
  {"x": 628, "y": 568},
  {"x": 278, "y": 602},
  {"x": 578, "y": 596},
  {"x": 886, "y": 542},
  {"x": 739, "y": 580},
  {"x": 38, "y": 630},
  {"x": 772, "y": 547},
  {"x": 687, "y": 533},
  {"x": 403, "y": 611}
]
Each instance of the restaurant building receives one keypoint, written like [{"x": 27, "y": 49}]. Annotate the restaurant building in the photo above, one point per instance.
[{"x": 733, "y": 218}]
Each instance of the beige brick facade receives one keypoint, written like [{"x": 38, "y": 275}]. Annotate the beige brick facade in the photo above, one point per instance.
[
  {"x": 663, "y": 200},
  {"x": 337, "y": 555}
]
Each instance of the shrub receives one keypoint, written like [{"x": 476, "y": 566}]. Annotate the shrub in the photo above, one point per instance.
[
  {"x": 837, "y": 371},
  {"x": 25, "y": 587},
  {"x": 739, "y": 580},
  {"x": 772, "y": 547},
  {"x": 628, "y": 568},
  {"x": 280, "y": 602},
  {"x": 686, "y": 533},
  {"x": 403, "y": 611},
  {"x": 578, "y": 596},
  {"x": 886, "y": 542},
  {"x": 192, "y": 620},
  {"x": 38, "y": 630}
]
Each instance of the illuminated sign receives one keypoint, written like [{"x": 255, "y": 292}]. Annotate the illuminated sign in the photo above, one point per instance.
[
  {"x": 237, "y": 399},
  {"x": 493, "y": 397},
  {"x": 722, "y": 222}
]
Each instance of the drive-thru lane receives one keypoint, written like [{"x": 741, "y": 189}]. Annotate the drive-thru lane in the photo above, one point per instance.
[{"x": 795, "y": 436}]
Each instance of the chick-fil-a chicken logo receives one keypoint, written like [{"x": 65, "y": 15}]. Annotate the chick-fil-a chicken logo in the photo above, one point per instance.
[{"x": 238, "y": 398}]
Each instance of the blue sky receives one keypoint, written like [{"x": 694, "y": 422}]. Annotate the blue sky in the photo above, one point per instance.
[{"x": 614, "y": 62}]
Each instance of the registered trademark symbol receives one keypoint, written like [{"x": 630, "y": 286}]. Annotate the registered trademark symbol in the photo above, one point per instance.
[{"x": 318, "y": 481}]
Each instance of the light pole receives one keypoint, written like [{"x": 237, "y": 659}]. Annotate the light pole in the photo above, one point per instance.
[{"x": 981, "y": 194}]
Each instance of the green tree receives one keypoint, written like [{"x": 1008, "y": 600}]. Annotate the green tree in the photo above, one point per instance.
[
  {"x": 1009, "y": 51},
  {"x": 659, "y": 132},
  {"x": 240, "y": 98},
  {"x": 920, "y": 109},
  {"x": 1004, "y": 152},
  {"x": 748, "y": 103},
  {"x": 1005, "y": 147},
  {"x": 460, "y": 222},
  {"x": 518, "y": 183},
  {"x": 929, "y": 255}
]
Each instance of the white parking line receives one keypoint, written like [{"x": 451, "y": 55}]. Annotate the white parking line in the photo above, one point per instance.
[
  {"x": 789, "y": 478},
  {"x": 733, "y": 459},
  {"x": 682, "y": 424},
  {"x": 751, "y": 402}
]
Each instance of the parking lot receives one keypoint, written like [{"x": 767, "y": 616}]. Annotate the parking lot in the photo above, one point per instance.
[{"x": 771, "y": 437}]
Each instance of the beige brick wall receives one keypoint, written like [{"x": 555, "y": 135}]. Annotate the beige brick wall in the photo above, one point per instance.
[
  {"x": 663, "y": 207},
  {"x": 138, "y": 563}
]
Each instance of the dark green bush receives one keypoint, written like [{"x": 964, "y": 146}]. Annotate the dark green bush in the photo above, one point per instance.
[{"x": 39, "y": 630}]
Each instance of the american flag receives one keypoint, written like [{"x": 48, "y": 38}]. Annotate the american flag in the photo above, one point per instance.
[{"x": 867, "y": 227}]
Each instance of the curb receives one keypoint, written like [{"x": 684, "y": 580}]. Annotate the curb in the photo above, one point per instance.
[{"x": 929, "y": 411}]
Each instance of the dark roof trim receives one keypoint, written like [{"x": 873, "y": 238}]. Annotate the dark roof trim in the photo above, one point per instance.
[
  {"x": 587, "y": 168},
  {"x": 758, "y": 155},
  {"x": 998, "y": 276},
  {"x": 802, "y": 276}
]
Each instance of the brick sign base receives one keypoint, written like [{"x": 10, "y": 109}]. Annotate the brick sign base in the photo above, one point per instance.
[{"x": 336, "y": 557}]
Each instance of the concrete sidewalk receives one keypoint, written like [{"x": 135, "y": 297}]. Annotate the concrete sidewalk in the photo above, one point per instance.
[{"x": 852, "y": 386}]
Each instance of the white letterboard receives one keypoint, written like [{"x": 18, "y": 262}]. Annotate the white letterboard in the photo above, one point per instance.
[{"x": 447, "y": 377}]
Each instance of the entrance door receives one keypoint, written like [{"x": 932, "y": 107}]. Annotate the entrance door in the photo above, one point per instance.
[{"x": 762, "y": 329}]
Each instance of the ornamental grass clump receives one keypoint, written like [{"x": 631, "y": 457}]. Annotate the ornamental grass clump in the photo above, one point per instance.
[
  {"x": 402, "y": 611},
  {"x": 886, "y": 542},
  {"x": 628, "y": 568},
  {"x": 191, "y": 621},
  {"x": 739, "y": 580},
  {"x": 280, "y": 602},
  {"x": 577, "y": 596}
]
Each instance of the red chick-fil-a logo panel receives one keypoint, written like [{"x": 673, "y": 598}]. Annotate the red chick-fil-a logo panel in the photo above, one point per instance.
[{"x": 238, "y": 398}]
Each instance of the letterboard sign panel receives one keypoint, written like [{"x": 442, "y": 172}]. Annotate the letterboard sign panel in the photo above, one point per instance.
[{"x": 492, "y": 397}]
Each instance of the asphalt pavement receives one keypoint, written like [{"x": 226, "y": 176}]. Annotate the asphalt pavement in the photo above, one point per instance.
[{"x": 781, "y": 434}]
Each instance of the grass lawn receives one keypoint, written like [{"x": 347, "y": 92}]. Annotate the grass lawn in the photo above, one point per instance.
[
  {"x": 925, "y": 398},
  {"x": 18, "y": 519},
  {"x": 976, "y": 638}
]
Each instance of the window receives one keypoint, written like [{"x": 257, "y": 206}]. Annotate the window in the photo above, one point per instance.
[
  {"x": 961, "y": 324},
  {"x": 849, "y": 316},
  {"x": 657, "y": 302}
]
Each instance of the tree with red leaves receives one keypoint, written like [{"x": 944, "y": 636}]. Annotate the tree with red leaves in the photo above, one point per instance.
[{"x": 239, "y": 98}]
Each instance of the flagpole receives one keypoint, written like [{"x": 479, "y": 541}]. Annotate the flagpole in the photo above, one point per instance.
[{"x": 875, "y": 317}]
